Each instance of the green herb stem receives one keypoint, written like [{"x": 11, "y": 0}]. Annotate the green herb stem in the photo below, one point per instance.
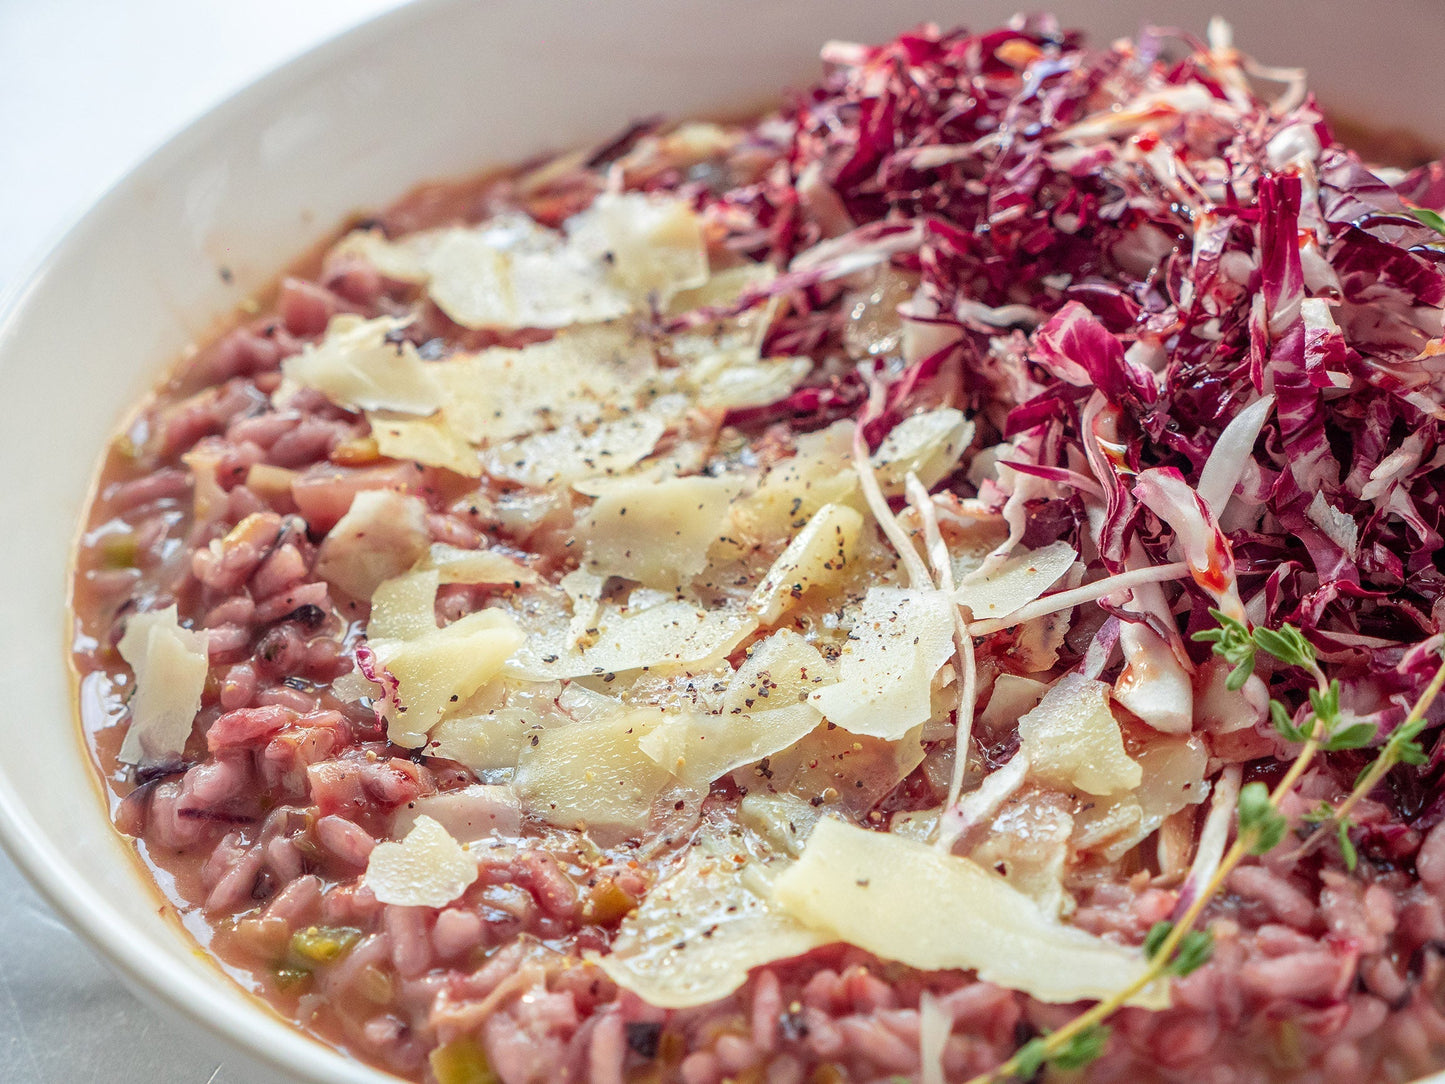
[
  {"x": 1243, "y": 846},
  {"x": 1390, "y": 755}
]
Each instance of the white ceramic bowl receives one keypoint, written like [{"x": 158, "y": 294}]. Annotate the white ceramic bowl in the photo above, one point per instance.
[{"x": 441, "y": 88}]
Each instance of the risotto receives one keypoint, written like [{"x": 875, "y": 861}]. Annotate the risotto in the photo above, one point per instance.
[{"x": 937, "y": 582}]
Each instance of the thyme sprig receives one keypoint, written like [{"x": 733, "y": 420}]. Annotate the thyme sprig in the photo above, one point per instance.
[
  {"x": 1401, "y": 747},
  {"x": 1175, "y": 949}
]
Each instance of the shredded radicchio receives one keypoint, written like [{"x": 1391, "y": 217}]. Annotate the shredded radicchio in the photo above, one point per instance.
[{"x": 1125, "y": 261}]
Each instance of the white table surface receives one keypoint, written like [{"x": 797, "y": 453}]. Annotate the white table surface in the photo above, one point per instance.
[{"x": 87, "y": 89}]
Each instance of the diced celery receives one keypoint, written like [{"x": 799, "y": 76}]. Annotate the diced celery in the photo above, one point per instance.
[
  {"x": 461, "y": 1062},
  {"x": 323, "y": 944}
]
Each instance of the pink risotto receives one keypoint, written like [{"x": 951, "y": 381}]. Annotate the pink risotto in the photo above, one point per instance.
[{"x": 940, "y": 582}]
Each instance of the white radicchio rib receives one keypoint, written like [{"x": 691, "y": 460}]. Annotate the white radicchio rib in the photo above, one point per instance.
[
  {"x": 1164, "y": 492},
  {"x": 1231, "y": 455}
]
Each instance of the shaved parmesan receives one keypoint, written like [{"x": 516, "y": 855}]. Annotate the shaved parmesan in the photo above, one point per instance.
[
  {"x": 426, "y": 869},
  {"x": 780, "y": 670},
  {"x": 584, "y": 704},
  {"x": 721, "y": 289},
  {"x": 403, "y": 260},
  {"x": 900, "y": 638},
  {"x": 359, "y": 367},
  {"x": 1339, "y": 527},
  {"x": 513, "y": 273},
  {"x": 404, "y": 607},
  {"x": 381, "y": 535},
  {"x": 472, "y": 813},
  {"x": 699, "y": 932},
  {"x": 584, "y": 590},
  {"x": 1173, "y": 778},
  {"x": 455, "y": 565},
  {"x": 170, "y": 665},
  {"x": 483, "y": 742},
  {"x": 572, "y": 378},
  {"x": 738, "y": 338},
  {"x": 1011, "y": 699},
  {"x": 737, "y": 379},
  {"x": 907, "y": 901},
  {"x": 672, "y": 634},
  {"x": 429, "y": 441},
  {"x": 652, "y": 244},
  {"x": 782, "y": 821},
  {"x": 997, "y": 590},
  {"x": 479, "y": 283},
  {"x": 698, "y": 749},
  {"x": 817, "y": 556},
  {"x": 1173, "y": 770},
  {"x": 928, "y": 445},
  {"x": 656, "y": 532},
  {"x": 592, "y": 774},
  {"x": 842, "y": 771},
  {"x": 435, "y": 670},
  {"x": 1029, "y": 844},
  {"x": 1073, "y": 739},
  {"x": 797, "y": 487},
  {"x": 567, "y": 455}
]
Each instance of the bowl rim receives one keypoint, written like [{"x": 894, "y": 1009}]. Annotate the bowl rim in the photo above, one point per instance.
[{"x": 297, "y": 1055}]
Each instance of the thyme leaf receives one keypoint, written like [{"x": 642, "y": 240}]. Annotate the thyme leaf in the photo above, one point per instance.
[{"x": 1261, "y": 824}]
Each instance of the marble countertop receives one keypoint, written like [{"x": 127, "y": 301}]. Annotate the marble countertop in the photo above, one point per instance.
[{"x": 87, "y": 89}]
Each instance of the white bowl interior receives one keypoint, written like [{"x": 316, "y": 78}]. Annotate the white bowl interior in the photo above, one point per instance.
[{"x": 438, "y": 89}]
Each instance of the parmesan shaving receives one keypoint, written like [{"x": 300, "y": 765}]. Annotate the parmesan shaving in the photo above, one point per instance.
[
  {"x": 699, "y": 932},
  {"x": 656, "y": 532},
  {"x": 1029, "y": 844},
  {"x": 624, "y": 250},
  {"x": 566, "y": 455},
  {"x": 928, "y": 445},
  {"x": 669, "y": 635},
  {"x": 737, "y": 379},
  {"x": 997, "y": 590},
  {"x": 780, "y": 669},
  {"x": 818, "y": 555},
  {"x": 698, "y": 749},
  {"x": 483, "y": 742},
  {"x": 653, "y": 245},
  {"x": 1339, "y": 527},
  {"x": 501, "y": 393},
  {"x": 900, "y": 639},
  {"x": 794, "y": 490},
  {"x": 429, "y": 441},
  {"x": 906, "y": 901},
  {"x": 170, "y": 665},
  {"x": 404, "y": 607},
  {"x": 381, "y": 535},
  {"x": 1012, "y": 698},
  {"x": 359, "y": 366},
  {"x": 585, "y": 592},
  {"x": 846, "y": 772},
  {"x": 593, "y": 775},
  {"x": 437, "y": 669},
  {"x": 455, "y": 565},
  {"x": 428, "y": 868},
  {"x": 403, "y": 260},
  {"x": 1073, "y": 740},
  {"x": 481, "y": 284}
]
